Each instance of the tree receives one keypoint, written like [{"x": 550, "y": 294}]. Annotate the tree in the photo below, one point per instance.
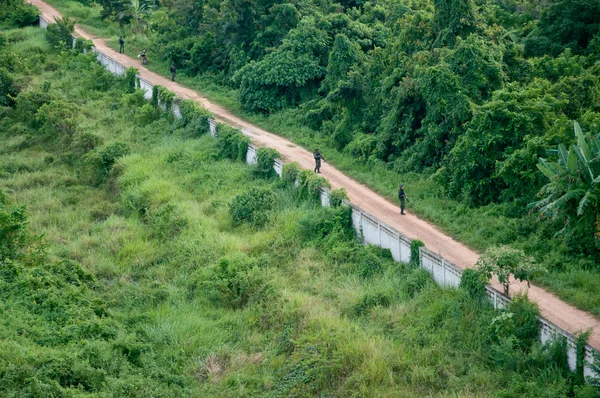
[
  {"x": 573, "y": 193},
  {"x": 137, "y": 11},
  {"x": 505, "y": 261}
]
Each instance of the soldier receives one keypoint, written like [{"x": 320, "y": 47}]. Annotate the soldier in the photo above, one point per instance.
[
  {"x": 121, "y": 45},
  {"x": 318, "y": 157},
  {"x": 402, "y": 197},
  {"x": 173, "y": 71}
]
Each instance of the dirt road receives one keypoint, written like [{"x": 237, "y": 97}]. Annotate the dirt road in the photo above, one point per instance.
[{"x": 552, "y": 308}]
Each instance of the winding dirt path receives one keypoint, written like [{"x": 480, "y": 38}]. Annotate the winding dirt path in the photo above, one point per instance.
[{"x": 552, "y": 308}]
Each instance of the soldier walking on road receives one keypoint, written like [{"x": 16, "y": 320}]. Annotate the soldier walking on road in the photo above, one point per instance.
[
  {"x": 402, "y": 197},
  {"x": 173, "y": 71},
  {"x": 121, "y": 45},
  {"x": 318, "y": 157}
]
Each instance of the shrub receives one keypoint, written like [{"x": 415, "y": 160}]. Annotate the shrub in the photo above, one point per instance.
[
  {"x": 252, "y": 207},
  {"x": 13, "y": 222},
  {"x": 60, "y": 33},
  {"x": 162, "y": 96},
  {"x": 473, "y": 282},
  {"x": 83, "y": 45},
  {"x": 231, "y": 143},
  {"x": 290, "y": 172},
  {"x": 520, "y": 321},
  {"x": 194, "y": 118},
  {"x": 415, "y": 253},
  {"x": 369, "y": 301},
  {"x": 265, "y": 160},
  {"x": 131, "y": 79},
  {"x": 167, "y": 222},
  {"x": 17, "y": 14},
  {"x": 326, "y": 222},
  {"x": 416, "y": 281},
  {"x": 97, "y": 164},
  {"x": 310, "y": 184},
  {"x": 337, "y": 197},
  {"x": 237, "y": 282}
]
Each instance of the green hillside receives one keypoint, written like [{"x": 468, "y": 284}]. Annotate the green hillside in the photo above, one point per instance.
[
  {"x": 456, "y": 99},
  {"x": 138, "y": 258}
]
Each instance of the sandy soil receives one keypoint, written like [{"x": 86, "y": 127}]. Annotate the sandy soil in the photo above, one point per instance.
[{"x": 552, "y": 308}]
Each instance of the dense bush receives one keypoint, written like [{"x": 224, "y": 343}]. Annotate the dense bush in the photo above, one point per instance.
[
  {"x": 60, "y": 33},
  {"x": 237, "y": 282},
  {"x": 252, "y": 207},
  {"x": 16, "y": 14},
  {"x": 231, "y": 143},
  {"x": 97, "y": 164},
  {"x": 265, "y": 158},
  {"x": 194, "y": 118}
]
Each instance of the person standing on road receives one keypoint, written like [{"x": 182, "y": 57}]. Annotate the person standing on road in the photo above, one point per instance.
[
  {"x": 318, "y": 157},
  {"x": 121, "y": 45},
  {"x": 173, "y": 71},
  {"x": 402, "y": 197}
]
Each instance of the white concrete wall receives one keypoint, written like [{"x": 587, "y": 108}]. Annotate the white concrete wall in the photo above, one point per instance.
[
  {"x": 372, "y": 231},
  {"x": 43, "y": 23},
  {"x": 251, "y": 155}
]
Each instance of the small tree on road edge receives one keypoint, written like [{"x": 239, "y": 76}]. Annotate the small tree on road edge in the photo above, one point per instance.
[{"x": 504, "y": 261}]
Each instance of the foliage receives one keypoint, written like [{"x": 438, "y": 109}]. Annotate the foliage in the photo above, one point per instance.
[
  {"x": 194, "y": 118},
  {"x": 138, "y": 11},
  {"x": 337, "y": 197},
  {"x": 60, "y": 33},
  {"x": 97, "y": 164},
  {"x": 473, "y": 282},
  {"x": 573, "y": 194},
  {"x": 163, "y": 97},
  {"x": 265, "y": 158},
  {"x": 252, "y": 207},
  {"x": 505, "y": 262},
  {"x": 231, "y": 143},
  {"x": 415, "y": 252},
  {"x": 131, "y": 79},
  {"x": 237, "y": 282},
  {"x": 310, "y": 184},
  {"x": 13, "y": 228},
  {"x": 16, "y": 14},
  {"x": 290, "y": 172}
]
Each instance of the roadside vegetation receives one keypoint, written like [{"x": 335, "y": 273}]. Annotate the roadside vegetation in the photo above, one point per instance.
[
  {"x": 139, "y": 257},
  {"x": 455, "y": 99}
]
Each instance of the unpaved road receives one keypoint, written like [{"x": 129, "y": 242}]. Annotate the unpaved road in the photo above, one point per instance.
[{"x": 552, "y": 308}]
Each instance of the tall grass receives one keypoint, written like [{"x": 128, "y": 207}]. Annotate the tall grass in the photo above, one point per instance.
[{"x": 161, "y": 262}]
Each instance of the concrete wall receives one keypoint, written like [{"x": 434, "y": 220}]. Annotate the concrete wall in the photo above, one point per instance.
[{"x": 370, "y": 230}]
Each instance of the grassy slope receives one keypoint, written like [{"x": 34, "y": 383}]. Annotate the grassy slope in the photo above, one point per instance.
[
  {"x": 572, "y": 279},
  {"x": 145, "y": 323}
]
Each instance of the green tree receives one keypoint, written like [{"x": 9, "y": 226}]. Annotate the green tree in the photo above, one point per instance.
[
  {"x": 573, "y": 191},
  {"x": 509, "y": 265},
  {"x": 138, "y": 11}
]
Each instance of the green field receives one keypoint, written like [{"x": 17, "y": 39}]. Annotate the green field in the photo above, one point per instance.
[
  {"x": 138, "y": 260},
  {"x": 485, "y": 210}
]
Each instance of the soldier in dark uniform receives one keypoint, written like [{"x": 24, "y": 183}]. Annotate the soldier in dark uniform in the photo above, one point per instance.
[
  {"x": 121, "y": 45},
  {"x": 318, "y": 157},
  {"x": 402, "y": 197},
  {"x": 173, "y": 71}
]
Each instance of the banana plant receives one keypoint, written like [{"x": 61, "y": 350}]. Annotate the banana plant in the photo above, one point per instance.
[
  {"x": 574, "y": 179},
  {"x": 137, "y": 10}
]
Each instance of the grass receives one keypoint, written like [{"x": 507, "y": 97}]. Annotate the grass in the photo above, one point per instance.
[
  {"x": 479, "y": 228},
  {"x": 138, "y": 294}
]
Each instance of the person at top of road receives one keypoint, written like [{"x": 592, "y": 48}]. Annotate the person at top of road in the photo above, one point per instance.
[
  {"x": 173, "y": 71},
  {"x": 402, "y": 197},
  {"x": 121, "y": 45},
  {"x": 318, "y": 157},
  {"x": 144, "y": 58}
]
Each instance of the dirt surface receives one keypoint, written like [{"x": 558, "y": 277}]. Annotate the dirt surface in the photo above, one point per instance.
[{"x": 552, "y": 308}]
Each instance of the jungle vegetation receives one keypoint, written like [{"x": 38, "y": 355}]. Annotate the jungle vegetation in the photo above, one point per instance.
[
  {"x": 457, "y": 99},
  {"x": 139, "y": 257}
]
